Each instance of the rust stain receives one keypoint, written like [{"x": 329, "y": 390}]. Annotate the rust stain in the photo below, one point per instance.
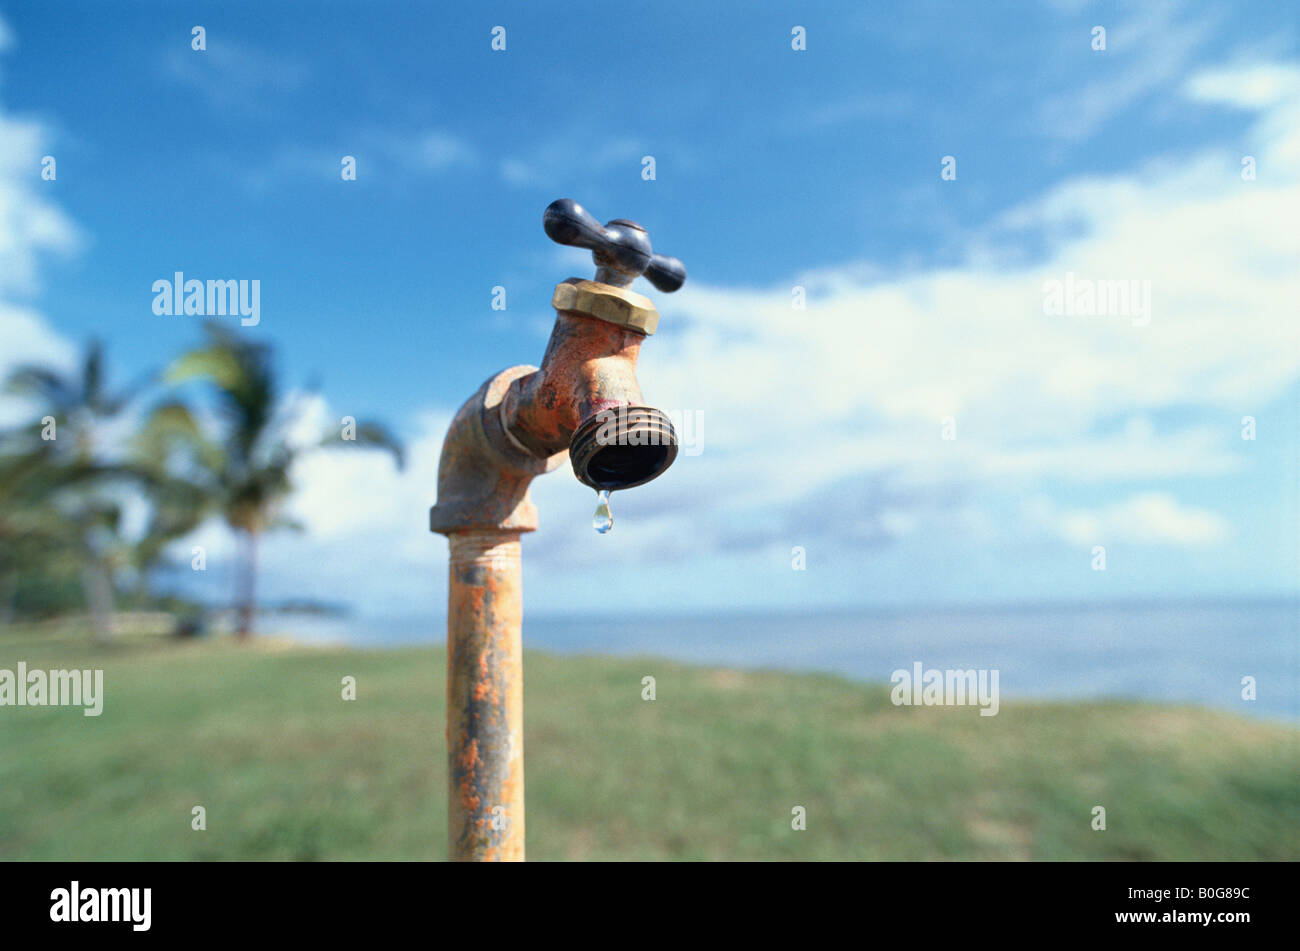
[{"x": 469, "y": 756}]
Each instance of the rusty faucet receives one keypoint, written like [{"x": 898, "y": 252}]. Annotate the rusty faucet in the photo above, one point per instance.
[{"x": 583, "y": 401}]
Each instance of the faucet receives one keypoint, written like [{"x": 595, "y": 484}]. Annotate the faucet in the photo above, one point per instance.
[{"x": 583, "y": 402}]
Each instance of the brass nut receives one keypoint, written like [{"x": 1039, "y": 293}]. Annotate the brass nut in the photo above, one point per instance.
[{"x": 615, "y": 305}]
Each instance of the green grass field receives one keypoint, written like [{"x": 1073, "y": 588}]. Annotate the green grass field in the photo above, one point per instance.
[{"x": 260, "y": 737}]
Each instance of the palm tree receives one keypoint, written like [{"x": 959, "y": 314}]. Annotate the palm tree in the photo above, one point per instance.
[
  {"x": 33, "y": 539},
  {"x": 178, "y": 501},
  {"x": 244, "y": 472},
  {"x": 81, "y": 404}
]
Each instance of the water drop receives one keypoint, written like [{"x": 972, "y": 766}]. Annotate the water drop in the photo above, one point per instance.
[{"x": 603, "y": 520}]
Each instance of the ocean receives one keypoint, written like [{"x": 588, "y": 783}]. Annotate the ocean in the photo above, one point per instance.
[{"x": 1186, "y": 653}]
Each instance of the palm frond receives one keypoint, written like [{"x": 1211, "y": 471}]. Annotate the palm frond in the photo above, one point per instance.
[
  {"x": 373, "y": 435},
  {"x": 43, "y": 383}
]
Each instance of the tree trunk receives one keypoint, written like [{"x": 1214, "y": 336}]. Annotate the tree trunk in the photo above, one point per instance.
[
  {"x": 99, "y": 599},
  {"x": 247, "y": 607},
  {"x": 8, "y": 595}
]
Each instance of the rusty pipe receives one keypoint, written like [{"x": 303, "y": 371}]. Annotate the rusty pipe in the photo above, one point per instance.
[
  {"x": 483, "y": 508},
  {"x": 583, "y": 402},
  {"x": 485, "y": 693}
]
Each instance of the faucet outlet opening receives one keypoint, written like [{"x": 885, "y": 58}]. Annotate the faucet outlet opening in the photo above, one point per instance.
[{"x": 622, "y": 447}]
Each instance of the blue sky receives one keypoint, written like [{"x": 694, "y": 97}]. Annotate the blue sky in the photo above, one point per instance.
[{"x": 775, "y": 168}]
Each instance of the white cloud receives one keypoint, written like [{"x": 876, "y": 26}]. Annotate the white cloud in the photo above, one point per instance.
[
  {"x": 863, "y": 377},
  {"x": 1251, "y": 87},
  {"x": 1150, "y": 518},
  {"x": 31, "y": 225},
  {"x": 349, "y": 490}
]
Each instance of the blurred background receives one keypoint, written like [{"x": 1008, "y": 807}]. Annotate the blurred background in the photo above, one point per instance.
[{"x": 901, "y": 448}]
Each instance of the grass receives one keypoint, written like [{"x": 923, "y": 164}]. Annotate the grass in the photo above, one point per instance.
[{"x": 260, "y": 737}]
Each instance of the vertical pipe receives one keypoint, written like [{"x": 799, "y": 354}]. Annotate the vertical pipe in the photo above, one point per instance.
[{"x": 485, "y": 698}]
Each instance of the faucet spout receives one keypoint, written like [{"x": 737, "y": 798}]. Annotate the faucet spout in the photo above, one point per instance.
[{"x": 586, "y": 399}]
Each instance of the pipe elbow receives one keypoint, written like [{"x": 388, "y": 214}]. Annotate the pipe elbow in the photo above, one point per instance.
[{"x": 484, "y": 472}]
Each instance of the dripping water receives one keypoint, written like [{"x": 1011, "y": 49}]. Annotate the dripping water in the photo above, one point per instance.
[{"x": 603, "y": 520}]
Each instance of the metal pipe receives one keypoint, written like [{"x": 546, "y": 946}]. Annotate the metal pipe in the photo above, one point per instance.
[
  {"x": 522, "y": 423},
  {"x": 485, "y": 698}
]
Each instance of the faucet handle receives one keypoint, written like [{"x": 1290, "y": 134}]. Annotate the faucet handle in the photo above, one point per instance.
[
  {"x": 665, "y": 273},
  {"x": 620, "y": 248}
]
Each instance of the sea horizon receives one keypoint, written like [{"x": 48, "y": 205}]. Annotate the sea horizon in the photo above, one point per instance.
[{"x": 1179, "y": 652}]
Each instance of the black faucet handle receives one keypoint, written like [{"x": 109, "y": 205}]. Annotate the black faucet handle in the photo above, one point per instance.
[
  {"x": 621, "y": 248},
  {"x": 665, "y": 273}
]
